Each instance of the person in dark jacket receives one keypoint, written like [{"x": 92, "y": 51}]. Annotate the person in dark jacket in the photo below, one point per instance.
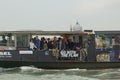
[
  {"x": 70, "y": 44},
  {"x": 61, "y": 44},
  {"x": 37, "y": 42},
  {"x": 49, "y": 43}
]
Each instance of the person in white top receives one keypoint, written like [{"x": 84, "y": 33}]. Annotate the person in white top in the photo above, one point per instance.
[{"x": 31, "y": 45}]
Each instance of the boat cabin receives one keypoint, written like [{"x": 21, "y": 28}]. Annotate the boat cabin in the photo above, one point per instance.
[{"x": 64, "y": 45}]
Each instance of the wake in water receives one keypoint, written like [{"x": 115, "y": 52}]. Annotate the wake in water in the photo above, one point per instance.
[{"x": 66, "y": 74}]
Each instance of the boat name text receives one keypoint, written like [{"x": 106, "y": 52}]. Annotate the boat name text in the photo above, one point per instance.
[
  {"x": 68, "y": 53},
  {"x": 5, "y": 54}
]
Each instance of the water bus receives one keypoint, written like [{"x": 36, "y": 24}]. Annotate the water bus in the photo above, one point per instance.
[{"x": 62, "y": 50}]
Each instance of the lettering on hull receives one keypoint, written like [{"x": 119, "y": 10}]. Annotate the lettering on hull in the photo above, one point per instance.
[
  {"x": 5, "y": 55},
  {"x": 71, "y": 53}
]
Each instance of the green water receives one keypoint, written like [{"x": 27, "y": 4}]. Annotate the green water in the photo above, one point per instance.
[{"x": 31, "y": 73}]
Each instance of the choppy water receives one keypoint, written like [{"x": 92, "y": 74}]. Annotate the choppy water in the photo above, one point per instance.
[{"x": 31, "y": 73}]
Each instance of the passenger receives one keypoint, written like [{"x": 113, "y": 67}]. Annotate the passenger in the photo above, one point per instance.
[
  {"x": 86, "y": 44},
  {"x": 83, "y": 54},
  {"x": 55, "y": 47},
  {"x": 49, "y": 43},
  {"x": 61, "y": 44},
  {"x": 45, "y": 46},
  {"x": 42, "y": 43},
  {"x": 32, "y": 45},
  {"x": 66, "y": 44},
  {"x": 55, "y": 43},
  {"x": 37, "y": 42},
  {"x": 70, "y": 44},
  {"x": 78, "y": 45}
]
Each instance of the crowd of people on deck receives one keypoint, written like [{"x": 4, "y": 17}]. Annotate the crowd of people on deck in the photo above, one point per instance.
[{"x": 55, "y": 44}]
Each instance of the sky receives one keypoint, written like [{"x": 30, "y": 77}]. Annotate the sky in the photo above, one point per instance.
[{"x": 59, "y": 15}]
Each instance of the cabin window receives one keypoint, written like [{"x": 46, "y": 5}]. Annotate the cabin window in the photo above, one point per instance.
[
  {"x": 7, "y": 40},
  {"x": 22, "y": 40}
]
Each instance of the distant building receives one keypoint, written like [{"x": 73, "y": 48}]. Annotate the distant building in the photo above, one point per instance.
[{"x": 77, "y": 27}]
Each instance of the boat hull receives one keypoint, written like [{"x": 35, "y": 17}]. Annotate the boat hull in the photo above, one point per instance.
[{"x": 61, "y": 65}]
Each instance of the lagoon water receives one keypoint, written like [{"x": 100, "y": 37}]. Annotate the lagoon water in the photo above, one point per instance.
[{"x": 31, "y": 73}]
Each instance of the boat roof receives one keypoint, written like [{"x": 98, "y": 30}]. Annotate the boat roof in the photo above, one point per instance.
[
  {"x": 107, "y": 32},
  {"x": 43, "y": 32}
]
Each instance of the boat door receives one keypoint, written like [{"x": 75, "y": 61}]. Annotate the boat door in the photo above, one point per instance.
[{"x": 90, "y": 39}]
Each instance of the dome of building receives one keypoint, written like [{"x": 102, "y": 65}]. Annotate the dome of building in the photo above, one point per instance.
[{"x": 77, "y": 27}]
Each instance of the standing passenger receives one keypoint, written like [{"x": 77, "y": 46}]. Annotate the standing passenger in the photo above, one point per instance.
[
  {"x": 55, "y": 47},
  {"x": 50, "y": 45},
  {"x": 37, "y": 42},
  {"x": 45, "y": 46},
  {"x": 32, "y": 45},
  {"x": 61, "y": 44},
  {"x": 42, "y": 43},
  {"x": 70, "y": 44},
  {"x": 78, "y": 45},
  {"x": 55, "y": 43}
]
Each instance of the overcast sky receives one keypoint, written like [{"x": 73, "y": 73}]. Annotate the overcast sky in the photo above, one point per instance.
[{"x": 59, "y": 14}]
